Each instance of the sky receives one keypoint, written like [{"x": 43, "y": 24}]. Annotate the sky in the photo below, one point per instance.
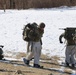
[{"x": 13, "y": 21}]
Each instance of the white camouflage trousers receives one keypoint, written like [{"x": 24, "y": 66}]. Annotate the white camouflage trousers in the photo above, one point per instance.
[
  {"x": 35, "y": 52},
  {"x": 70, "y": 54}
]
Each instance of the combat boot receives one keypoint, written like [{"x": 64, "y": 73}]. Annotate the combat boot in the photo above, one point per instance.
[
  {"x": 73, "y": 65},
  {"x": 37, "y": 66},
  {"x": 26, "y": 61}
]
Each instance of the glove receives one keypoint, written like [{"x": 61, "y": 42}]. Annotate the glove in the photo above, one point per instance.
[{"x": 1, "y": 46}]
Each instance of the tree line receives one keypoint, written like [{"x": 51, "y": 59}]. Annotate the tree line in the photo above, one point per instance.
[{"x": 26, "y": 4}]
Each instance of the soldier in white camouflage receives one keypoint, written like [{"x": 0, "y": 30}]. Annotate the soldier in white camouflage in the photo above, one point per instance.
[
  {"x": 70, "y": 51},
  {"x": 1, "y": 52},
  {"x": 35, "y": 46}
]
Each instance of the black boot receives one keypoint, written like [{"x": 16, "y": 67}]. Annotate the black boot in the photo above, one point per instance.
[
  {"x": 37, "y": 66},
  {"x": 67, "y": 64},
  {"x": 73, "y": 66},
  {"x": 26, "y": 61}
]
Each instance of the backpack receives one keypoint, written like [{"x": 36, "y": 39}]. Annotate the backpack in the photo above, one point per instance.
[
  {"x": 28, "y": 31},
  {"x": 70, "y": 33}
]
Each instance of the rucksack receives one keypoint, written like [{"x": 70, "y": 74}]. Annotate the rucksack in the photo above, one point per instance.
[
  {"x": 27, "y": 29},
  {"x": 70, "y": 33}
]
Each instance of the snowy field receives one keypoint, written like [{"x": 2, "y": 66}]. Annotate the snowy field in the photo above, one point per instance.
[{"x": 13, "y": 21}]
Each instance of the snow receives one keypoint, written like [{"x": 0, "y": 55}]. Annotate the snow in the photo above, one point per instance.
[{"x": 13, "y": 21}]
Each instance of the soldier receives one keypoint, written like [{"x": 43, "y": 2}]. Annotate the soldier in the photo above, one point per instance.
[
  {"x": 70, "y": 46},
  {"x": 35, "y": 45},
  {"x": 1, "y": 52}
]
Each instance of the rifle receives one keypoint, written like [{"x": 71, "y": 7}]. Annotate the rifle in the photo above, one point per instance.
[{"x": 62, "y": 28}]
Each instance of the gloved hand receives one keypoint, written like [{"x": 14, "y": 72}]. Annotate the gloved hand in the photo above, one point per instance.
[{"x": 1, "y": 46}]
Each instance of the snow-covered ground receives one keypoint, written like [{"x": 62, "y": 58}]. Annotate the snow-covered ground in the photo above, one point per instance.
[{"x": 13, "y": 21}]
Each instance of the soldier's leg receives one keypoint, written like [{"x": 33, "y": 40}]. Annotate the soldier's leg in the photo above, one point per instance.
[
  {"x": 73, "y": 52},
  {"x": 37, "y": 53},
  {"x": 67, "y": 56},
  {"x": 29, "y": 54}
]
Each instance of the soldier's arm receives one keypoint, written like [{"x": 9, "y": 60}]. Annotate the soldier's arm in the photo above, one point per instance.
[{"x": 60, "y": 38}]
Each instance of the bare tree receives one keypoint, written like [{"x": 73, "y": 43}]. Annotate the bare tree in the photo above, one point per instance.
[
  {"x": 4, "y": 5},
  {"x": 11, "y": 4}
]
